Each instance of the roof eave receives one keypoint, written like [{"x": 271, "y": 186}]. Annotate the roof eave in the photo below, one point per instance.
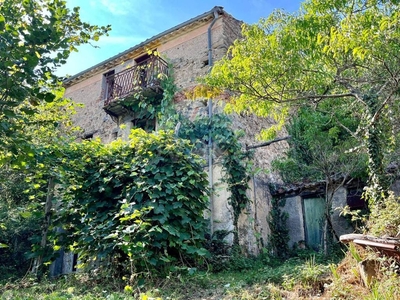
[{"x": 127, "y": 54}]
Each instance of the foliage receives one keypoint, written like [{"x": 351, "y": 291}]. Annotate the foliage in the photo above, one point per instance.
[
  {"x": 149, "y": 107},
  {"x": 36, "y": 38},
  {"x": 341, "y": 50},
  {"x": 320, "y": 147},
  {"x": 24, "y": 179},
  {"x": 310, "y": 276},
  {"x": 140, "y": 201},
  {"x": 259, "y": 280},
  {"x": 166, "y": 114},
  {"x": 235, "y": 161},
  {"x": 347, "y": 282},
  {"x": 17, "y": 226},
  {"x": 278, "y": 238},
  {"x": 384, "y": 219}
]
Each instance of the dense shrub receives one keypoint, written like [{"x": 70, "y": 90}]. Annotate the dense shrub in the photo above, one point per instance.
[
  {"x": 384, "y": 218},
  {"x": 140, "y": 201}
]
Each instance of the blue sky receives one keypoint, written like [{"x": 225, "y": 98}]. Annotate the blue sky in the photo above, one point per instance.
[{"x": 134, "y": 21}]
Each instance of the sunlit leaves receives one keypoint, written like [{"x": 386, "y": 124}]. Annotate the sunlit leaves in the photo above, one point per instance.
[
  {"x": 328, "y": 48},
  {"x": 342, "y": 50},
  {"x": 319, "y": 146},
  {"x": 36, "y": 37}
]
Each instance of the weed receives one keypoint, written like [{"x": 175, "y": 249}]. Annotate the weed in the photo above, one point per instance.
[{"x": 262, "y": 278}]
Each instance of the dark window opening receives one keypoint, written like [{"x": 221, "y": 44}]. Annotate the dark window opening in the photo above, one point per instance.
[
  {"x": 141, "y": 59},
  {"x": 354, "y": 199},
  {"x": 75, "y": 262},
  {"x": 88, "y": 135},
  {"x": 147, "y": 124},
  {"x": 109, "y": 84},
  {"x": 114, "y": 135},
  {"x": 142, "y": 62}
]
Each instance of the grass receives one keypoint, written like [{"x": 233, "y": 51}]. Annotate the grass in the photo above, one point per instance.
[{"x": 302, "y": 277}]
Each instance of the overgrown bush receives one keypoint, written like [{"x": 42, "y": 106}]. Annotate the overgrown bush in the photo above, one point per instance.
[
  {"x": 140, "y": 202},
  {"x": 17, "y": 224},
  {"x": 384, "y": 218}
]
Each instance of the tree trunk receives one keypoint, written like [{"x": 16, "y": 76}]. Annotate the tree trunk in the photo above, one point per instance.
[{"x": 46, "y": 224}]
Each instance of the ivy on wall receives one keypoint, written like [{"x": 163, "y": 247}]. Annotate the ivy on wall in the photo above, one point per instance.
[
  {"x": 235, "y": 162},
  {"x": 141, "y": 201},
  {"x": 277, "y": 221}
]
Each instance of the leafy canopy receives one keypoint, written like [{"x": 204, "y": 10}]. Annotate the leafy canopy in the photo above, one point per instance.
[
  {"x": 36, "y": 37},
  {"x": 320, "y": 149},
  {"x": 335, "y": 49}
]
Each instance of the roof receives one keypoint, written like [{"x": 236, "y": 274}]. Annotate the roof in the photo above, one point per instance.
[{"x": 127, "y": 54}]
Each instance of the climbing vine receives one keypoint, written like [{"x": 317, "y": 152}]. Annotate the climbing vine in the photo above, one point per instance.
[
  {"x": 149, "y": 105},
  {"x": 277, "y": 221},
  {"x": 140, "y": 201},
  {"x": 235, "y": 162}
]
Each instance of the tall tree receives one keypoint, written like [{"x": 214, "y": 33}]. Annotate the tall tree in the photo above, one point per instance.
[
  {"x": 319, "y": 151},
  {"x": 36, "y": 37},
  {"x": 342, "y": 50},
  {"x": 27, "y": 182}
]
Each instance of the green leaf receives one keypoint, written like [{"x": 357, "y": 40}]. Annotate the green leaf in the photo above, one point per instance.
[
  {"x": 2, "y": 22},
  {"x": 26, "y": 214},
  {"x": 49, "y": 97}
]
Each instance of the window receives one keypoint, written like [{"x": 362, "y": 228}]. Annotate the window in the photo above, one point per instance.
[
  {"x": 147, "y": 124},
  {"x": 142, "y": 59},
  {"x": 108, "y": 85},
  {"x": 88, "y": 136},
  {"x": 355, "y": 200},
  {"x": 145, "y": 69}
]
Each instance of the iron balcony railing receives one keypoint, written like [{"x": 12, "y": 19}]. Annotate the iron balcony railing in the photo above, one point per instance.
[{"x": 147, "y": 74}]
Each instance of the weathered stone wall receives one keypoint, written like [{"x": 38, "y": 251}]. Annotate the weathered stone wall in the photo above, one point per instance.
[
  {"x": 340, "y": 224},
  {"x": 295, "y": 223},
  {"x": 91, "y": 118},
  {"x": 232, "y": 31},
  {"x": 263, "y": 157},
  {"x": 253, "y": 226},
  {"x": 395, "y": 188},
  {"x": 222, "y": 214},
  {"x": 189, "y": 53}
]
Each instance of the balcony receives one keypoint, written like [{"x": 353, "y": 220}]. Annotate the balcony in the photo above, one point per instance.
[{"x": 141, "y": 80}]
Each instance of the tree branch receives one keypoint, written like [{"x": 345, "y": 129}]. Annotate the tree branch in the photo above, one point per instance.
[{"x": 267, "y": 143}]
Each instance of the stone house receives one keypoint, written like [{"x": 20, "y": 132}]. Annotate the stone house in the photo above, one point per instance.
[{"x": 190, "y": 48}]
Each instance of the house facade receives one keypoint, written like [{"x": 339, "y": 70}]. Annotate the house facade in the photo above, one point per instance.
[{"x": 188, "y": 50}]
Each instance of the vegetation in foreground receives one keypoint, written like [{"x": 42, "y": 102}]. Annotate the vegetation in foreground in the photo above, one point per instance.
[{"x": 305, "y": 276}]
